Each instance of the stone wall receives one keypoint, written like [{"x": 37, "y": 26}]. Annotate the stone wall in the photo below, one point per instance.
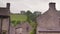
[
  {"x": 5, "y": 25},
  {"x": 12, "y": 29}
]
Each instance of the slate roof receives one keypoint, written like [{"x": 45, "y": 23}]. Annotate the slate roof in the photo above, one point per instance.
[
  {"x": 4, "y": 11},
  {"x": 43, "y": 19}
]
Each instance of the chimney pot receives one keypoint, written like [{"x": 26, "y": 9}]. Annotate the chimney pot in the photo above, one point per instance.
[
  {"x": 52, "y": 5},
  {"x": 8, "y": 5}
]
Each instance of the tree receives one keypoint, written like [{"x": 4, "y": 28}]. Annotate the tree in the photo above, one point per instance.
[
  {"x": 31, "y": 18},
  {"x": 28, "y": 13}
]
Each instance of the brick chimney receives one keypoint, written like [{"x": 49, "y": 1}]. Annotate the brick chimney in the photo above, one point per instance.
[
  {"x": 8, "y": 5},
  {"x": 52, "y": 5}
]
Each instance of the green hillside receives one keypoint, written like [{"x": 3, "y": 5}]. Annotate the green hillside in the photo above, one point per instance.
[
  {"x": 18, "y": 17},
  {"x": 15, "y": 18}
]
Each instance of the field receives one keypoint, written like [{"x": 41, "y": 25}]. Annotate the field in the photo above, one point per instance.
[{"x": 18, "y": 17}]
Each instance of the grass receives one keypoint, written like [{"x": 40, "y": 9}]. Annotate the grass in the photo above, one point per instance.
[{"x": 18, "y": 17}]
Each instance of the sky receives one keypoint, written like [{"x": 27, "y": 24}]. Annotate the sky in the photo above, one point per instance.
[{"x": 33, "y": 5}]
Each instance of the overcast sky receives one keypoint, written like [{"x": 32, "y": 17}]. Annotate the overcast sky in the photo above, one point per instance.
[{"x": 33, "y": 5}]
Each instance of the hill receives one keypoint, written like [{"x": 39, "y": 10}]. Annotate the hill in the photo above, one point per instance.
[{"x": 18, "y": 17}]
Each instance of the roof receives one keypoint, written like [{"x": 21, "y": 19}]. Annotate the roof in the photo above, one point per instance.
[
  {"x": 4, "y": 11},
  {"x": 58, "y": 13},
  {"x": 48, "y": 29},
  {"x": 51, "y": 16},
  {"x": 23, "y": 24}
]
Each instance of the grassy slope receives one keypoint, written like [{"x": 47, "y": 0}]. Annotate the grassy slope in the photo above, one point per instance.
[{"x": 18, "y": 17}]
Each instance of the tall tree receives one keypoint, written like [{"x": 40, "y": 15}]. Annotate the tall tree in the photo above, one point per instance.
[{"x": 28, "y": 13}]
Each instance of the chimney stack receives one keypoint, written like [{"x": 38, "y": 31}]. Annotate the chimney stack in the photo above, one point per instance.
[
  {"x": 8, "y": 5},
  {"x": 52, "y": 5}
]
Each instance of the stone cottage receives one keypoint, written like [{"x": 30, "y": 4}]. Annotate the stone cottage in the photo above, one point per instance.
[
  {"x": 4, "y": 19},
  {"x": 21, "y": 28},
  {"x": 49, "y": 22}
]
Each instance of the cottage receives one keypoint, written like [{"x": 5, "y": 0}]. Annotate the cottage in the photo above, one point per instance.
[
  {"x": 4, "y": 19},
  {"x": 49, "y": 22},
  {"x": 23, "y": 28}
]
